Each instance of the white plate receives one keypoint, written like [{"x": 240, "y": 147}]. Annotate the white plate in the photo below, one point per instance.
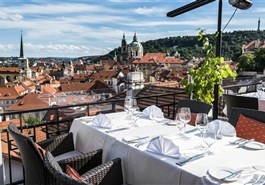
[
  {"x": 222, "y": 172},
  {"x": 254, "y": 145}
]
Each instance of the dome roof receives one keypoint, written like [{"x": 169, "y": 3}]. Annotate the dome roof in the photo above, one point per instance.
[{"x": 135, "y": 44}]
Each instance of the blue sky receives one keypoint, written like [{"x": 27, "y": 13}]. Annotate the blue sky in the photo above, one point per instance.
[{"x": 73, "y": 28}]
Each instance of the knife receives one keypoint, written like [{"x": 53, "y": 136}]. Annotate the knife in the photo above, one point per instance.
[
  {"x": 232, "y": 175},
  {"x": 137, "y": 139},
  {"x": 246, "y": 142},
  {"x": 118, "y": 129},
  {"x": 198, "y": 156}
]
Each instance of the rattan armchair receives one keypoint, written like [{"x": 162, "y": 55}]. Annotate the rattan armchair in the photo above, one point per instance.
[
  {"x": 109, "y": 173},
  {"x": 33, "y": 161}
]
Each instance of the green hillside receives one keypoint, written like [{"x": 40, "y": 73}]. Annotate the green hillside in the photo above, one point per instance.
[{"x": 188, "y": 46}]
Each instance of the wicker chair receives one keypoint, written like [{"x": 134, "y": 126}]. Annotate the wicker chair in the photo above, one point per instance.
[
  {"x": 251, "y": 113},
  {"x": 33, "y": 162},
  {"x": 195, "y": 106},
  {"x": 109, "y": 173},
  {"x": 239, "y": 101}
]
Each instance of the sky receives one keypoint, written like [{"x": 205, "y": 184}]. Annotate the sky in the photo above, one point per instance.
[{"x": 74, "y": 28}]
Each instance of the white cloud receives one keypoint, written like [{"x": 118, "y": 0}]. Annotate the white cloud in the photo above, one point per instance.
[
  {"x": 151, "y": 11},
  {"x": 65, "y": 8},
  {"x": 67, "y": 50},
  {"x": 198, "y": 23},
  {"x": 11, "y": 17}
]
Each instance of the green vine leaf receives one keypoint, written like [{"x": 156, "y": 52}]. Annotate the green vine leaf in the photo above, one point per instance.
[{"x": 211, "y": 72}]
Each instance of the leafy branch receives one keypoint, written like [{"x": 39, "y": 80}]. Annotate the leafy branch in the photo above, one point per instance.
[{"x": 211, "y": 72}]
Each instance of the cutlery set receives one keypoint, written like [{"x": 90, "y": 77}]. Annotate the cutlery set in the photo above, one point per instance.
[
  {"x": 256, "y": 179},
  {"x": 241, "y": 142},
  {"x": 192, "y": 158}
]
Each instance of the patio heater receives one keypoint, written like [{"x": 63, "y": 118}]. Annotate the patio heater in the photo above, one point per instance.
[{"x": 240, "y": 4}]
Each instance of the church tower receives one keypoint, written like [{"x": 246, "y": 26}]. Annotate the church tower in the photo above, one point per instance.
[
  {"x": 259, "y": 25},
  {"x": 23, "y": 62},
  {"x": 135, "y": 48},
  {"x": 124, "y": 50}
]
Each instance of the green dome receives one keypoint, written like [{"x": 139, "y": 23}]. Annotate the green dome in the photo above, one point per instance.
[{"x": 135, "y": 45}]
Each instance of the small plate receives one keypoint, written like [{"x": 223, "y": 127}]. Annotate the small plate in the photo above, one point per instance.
[
  {"x": 254, "y": 145},
  {"x": 222, "y": 172}
]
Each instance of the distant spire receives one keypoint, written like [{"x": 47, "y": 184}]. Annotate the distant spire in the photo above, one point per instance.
[
  {"x": 123, "y": 36},
  {"x": 259, "y": 25},
  {"x": 134, "y": 38},
  {"x": 21, "y": 47}
]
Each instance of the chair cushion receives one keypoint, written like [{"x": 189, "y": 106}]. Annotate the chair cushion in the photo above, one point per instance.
[
  {"x": 68, "y": 155},
  {"x": 41, "y": 150},
  {"x": 72, "y": 173},
  {"x": 249, "y": 128},
  {"x": 193, "y": 118}
]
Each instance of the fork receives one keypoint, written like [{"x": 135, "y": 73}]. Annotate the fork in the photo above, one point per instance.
[
  {"x": 261, "y": 180},
  {"x": 254, "y": 179}
]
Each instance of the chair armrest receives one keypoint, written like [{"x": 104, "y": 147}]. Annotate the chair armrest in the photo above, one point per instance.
[
  {"x": 58, "y": 145},
  {"x": 83, "y": 162},
  {"x": 107, "y": 173}
]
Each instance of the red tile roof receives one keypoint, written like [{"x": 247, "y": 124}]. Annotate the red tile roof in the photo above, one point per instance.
[
  {"x": 47, "y": 88},
  {"x": 31, "y": 101},
  {"x": 158, "y": 58},
  {"x": 8, "y": 93},
  {"x": 9, "y": 70}
]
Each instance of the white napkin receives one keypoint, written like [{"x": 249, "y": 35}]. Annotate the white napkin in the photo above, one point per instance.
[
  {"x": 221, "y": 128},
  {"x": 163, "y": 146},
  {"x": 102, "y": 121},
  {"x": 260, "y": 94},
  {"x": 153, "y": 112}
]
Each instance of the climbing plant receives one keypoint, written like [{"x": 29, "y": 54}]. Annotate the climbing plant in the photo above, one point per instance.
[{"x": 211, "y": 72}]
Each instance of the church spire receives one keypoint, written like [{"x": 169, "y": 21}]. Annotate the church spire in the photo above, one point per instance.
[
  {"x": 134, "y": 38},
  {"x": 259, "y": 25},
  {"x": 21, "y": 47}
]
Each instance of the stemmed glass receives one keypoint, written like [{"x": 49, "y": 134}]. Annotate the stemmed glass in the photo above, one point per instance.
[
  {"x": 200, "y": 123},
  {"x": 180, "y": 125},
  {"x": 209, "y": 138},
  {"x": 135, "y": 112},
  {"x": 128, "y": 103},
  {"x": 185, "y": 116}
]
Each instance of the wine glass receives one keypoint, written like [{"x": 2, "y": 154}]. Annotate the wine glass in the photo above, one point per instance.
[
  {"x": 180, "y": 125},
  {"x": 128, "y": 103},
  {"x": 200, "y": 123},
  {"x": 209, "y": 138},
  {"x": 185, "y": 116},
  {"x": 135, "y": 112}
]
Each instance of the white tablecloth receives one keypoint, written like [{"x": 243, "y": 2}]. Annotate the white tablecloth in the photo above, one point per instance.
[{"x": 142, "y": 167}]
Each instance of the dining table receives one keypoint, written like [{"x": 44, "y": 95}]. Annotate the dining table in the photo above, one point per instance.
[{"x": 130, "y": 141}]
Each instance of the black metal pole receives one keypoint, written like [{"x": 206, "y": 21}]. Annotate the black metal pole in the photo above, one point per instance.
[{"x": 218, "y": 54}]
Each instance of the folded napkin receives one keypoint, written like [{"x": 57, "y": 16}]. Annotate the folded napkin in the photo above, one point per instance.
[
  {"x": 163, "y": 146},
  {"x": 220, "y": 128},
  {"x": 153, "y": 112},
  {"x": 102, "y": 121},
  {"x": 259, "y": 94}
]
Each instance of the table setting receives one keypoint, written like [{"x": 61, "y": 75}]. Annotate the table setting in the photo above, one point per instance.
[{"x": 155, "y": 144}]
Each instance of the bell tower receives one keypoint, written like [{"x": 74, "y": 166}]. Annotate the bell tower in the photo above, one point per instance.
[
  {"x": 124, "y": 50},
  {"x": 23, "y": 62}
]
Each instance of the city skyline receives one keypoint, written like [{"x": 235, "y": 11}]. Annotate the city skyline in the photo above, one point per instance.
[{"x": 79, "y": 28}]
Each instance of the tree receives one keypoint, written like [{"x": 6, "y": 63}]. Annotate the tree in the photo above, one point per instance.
[
  {"x": 246, "y": 62},
  {"x": 211, "y": 72},
  {"x": 260, "y": 59}
]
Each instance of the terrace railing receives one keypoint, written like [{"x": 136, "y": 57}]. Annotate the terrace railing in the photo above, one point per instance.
[{"x": 167, "y": 102}]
